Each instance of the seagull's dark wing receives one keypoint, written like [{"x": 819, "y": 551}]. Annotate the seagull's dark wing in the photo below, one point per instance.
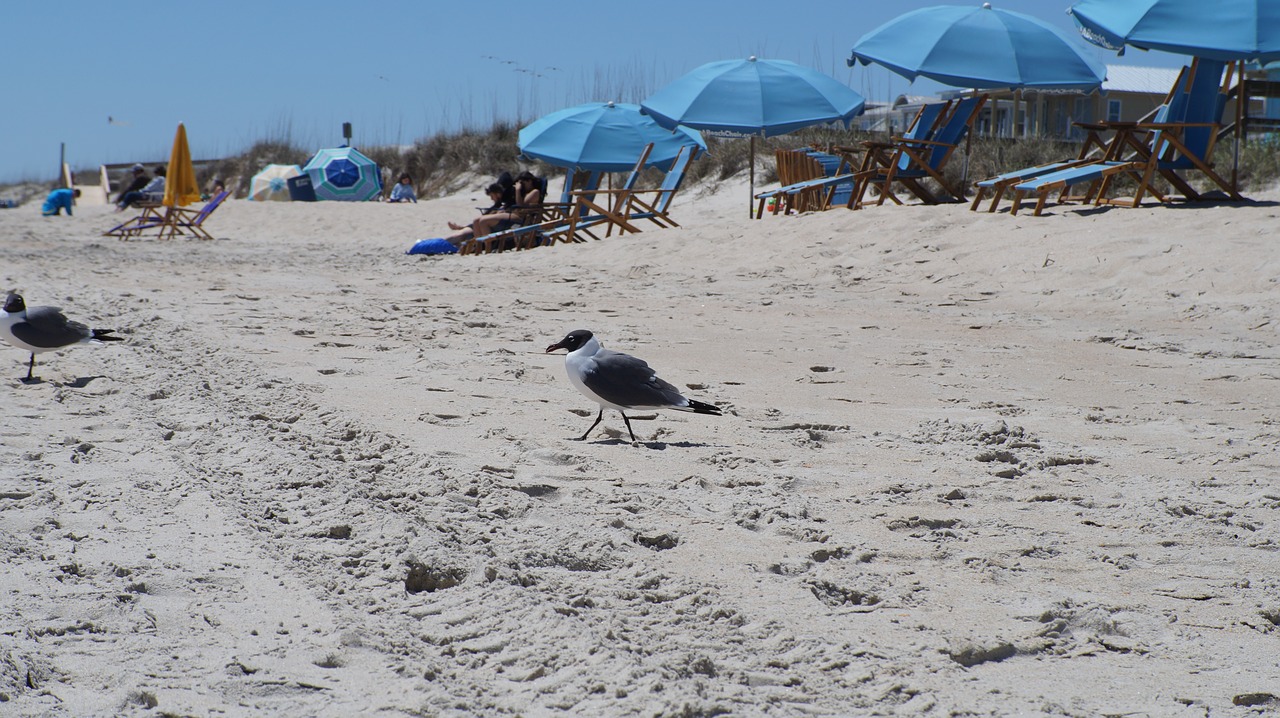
[
  {"x": 46, "y": 327},
  {"x": 627, "y": 381}
]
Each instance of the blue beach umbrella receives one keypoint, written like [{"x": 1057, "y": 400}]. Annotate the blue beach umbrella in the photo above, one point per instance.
[
  {"x": 1224, "y": 30},
  {"x": 753, "y": 97},
  {"x": 979, "y": 47},
  {"x": 343, "y": 173},
  {"x": 604, "y": 137}
]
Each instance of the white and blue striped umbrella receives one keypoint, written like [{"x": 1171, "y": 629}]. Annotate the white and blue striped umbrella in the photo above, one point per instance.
[
  {"x": 343, "y": 173},
  {"x": 272, "y": 183}
]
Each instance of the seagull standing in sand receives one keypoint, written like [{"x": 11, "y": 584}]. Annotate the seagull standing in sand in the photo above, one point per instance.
[
  {"x": 619, "y": 381},
  {"x": 44, "y": 329}
]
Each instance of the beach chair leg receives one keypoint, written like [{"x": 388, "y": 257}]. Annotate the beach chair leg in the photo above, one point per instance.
[
  {"x": 996, "y": 196},
  {"x": 1044, "y": 197},
  {"x": 977, "y": 198}
]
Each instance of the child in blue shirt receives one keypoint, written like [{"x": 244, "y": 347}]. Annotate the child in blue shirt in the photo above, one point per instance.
[{"x": 58, "y": 200}]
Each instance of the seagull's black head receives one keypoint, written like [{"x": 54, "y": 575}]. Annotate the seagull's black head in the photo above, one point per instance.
[
  {"x": 14, "y": 304},
  {"x": 571, "y": 341}
]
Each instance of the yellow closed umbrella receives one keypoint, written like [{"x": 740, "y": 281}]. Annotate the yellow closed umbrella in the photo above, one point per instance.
[{"x": 180, "y": 187}]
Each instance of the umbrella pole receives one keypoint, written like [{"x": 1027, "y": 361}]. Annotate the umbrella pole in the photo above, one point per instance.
[
  {"x": 751, "y": 197},
  {"x": 1241, "y": 99}
]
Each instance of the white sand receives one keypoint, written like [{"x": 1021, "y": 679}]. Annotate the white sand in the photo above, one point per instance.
[{"x": 970, "y": 464}]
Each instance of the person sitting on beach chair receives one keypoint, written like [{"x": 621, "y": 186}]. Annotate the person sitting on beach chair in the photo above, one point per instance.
[
  {"x": 140, "y": 180},
  {"x": 153, "y": 191},
  {"x": 502, "y": 216}
]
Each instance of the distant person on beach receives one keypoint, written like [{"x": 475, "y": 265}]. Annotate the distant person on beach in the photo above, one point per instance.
[
  {"x": 503, "y": 215},
  {"x": 403, "y": 191},
  {"x": 58, "y": 200},
  {"x": 152, "y": 191},
  {"x": 218, "y": 188},
  {"x": 140, "y": 180}
]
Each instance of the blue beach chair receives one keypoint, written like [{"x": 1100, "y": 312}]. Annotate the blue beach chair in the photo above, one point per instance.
[
  {"x": 916, "y": 160},
  {"x": 1180, "y": 138},
  {"x": 655, "y": 204},
  {"x": 1185, "y": 141},
  {"x": 576, "y": 215},
  {"x": 1093, "y": 149},
  {"x": 825, "y": 180}
]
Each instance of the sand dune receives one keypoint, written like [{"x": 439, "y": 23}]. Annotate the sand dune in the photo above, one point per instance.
[{"x": 969, "y": 464}]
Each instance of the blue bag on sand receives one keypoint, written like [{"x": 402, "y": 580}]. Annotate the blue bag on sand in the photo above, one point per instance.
[{"x": 432, "y": 246}]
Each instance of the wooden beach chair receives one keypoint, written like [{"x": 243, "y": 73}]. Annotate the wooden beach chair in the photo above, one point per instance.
[
  {"x": 919, "y": 154},
  {"x": 1177, "y": 140},
  {"x": 1185, "y": 141},
  {"x": 180, "y": 220}
]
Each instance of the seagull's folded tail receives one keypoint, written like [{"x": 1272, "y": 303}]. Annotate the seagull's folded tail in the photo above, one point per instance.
[{"x": 699, "y": 407}]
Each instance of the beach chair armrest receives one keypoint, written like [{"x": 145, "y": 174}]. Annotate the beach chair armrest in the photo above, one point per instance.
[{"x": 1174, "y": 125}]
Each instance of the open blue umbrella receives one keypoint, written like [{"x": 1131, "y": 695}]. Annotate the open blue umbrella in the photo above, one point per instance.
[
  {"x": 753, "y": 97},
  {"x": 979, "y": 47},
  {"x": 1218, "y": 29},
  {"x": 740, "y": 98},
  {"x": 343, "y": 173},
  {"x": 604, "y": 137}
]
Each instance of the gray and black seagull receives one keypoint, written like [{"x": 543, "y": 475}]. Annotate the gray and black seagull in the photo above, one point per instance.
[
  {"x": 619, "y": 381},
  {"x": 44, "y": 329}
]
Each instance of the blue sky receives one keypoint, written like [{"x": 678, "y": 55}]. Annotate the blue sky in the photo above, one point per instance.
[{"x": 237, "y": 71}]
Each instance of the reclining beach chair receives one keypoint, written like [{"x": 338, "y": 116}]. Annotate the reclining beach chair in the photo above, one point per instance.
[
  {"x": 1092, "y": 150},
  {"x": 914, "y": 160},
  {"x": 577, "y": 214},
  {"x": 149, "y": 218},
  {"x": 1185, "y": 142},
  {"x": 179, "y": 220},
  {"x": 1176, "y": 140},
  {"x": 655, "y": 204}
]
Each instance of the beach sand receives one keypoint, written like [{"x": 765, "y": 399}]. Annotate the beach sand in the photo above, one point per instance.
[{"x": 970, "y": 464}]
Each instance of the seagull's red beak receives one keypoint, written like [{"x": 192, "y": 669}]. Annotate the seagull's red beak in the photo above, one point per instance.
[{"x": 553, "y": 347}]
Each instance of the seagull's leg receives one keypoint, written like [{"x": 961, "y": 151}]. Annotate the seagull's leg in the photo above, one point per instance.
[
  {"x": 629, "y": 431},
  {"x": 31, "y": 366},
  {"x": 598, "y": 418}
]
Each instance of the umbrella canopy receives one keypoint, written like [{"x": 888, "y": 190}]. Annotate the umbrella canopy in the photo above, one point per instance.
[
  {"x": 604, "y": 137},
  {"x": 343, "y": 173},
  {"x": 272, "y": 183},
  {"x": 1219, "y": 30},
  {"x": 753, "y": 97},
  {"x": 979, "y": 47},
  {"x": 180, "y": 188}
]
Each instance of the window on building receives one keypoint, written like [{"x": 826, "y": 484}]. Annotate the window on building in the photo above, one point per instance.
[{"x": 1113, "y": 110}]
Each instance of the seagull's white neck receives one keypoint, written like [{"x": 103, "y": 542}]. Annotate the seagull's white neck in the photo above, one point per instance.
[{"x": 588, "y": 349}]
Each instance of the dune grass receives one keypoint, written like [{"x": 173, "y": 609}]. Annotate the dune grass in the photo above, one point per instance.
[{"x": 465, "y": 160}]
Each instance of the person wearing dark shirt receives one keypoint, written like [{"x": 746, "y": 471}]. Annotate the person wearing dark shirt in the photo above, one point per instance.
[{"x": 140, "y": 180}]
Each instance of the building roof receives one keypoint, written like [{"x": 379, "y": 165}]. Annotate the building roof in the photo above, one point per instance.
[{"x": 1129, "y": 78}]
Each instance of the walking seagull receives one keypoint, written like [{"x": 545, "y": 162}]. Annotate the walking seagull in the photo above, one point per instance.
[
  {"x": 619, "y": 381},
  {"x": 44, "y": 329}
]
